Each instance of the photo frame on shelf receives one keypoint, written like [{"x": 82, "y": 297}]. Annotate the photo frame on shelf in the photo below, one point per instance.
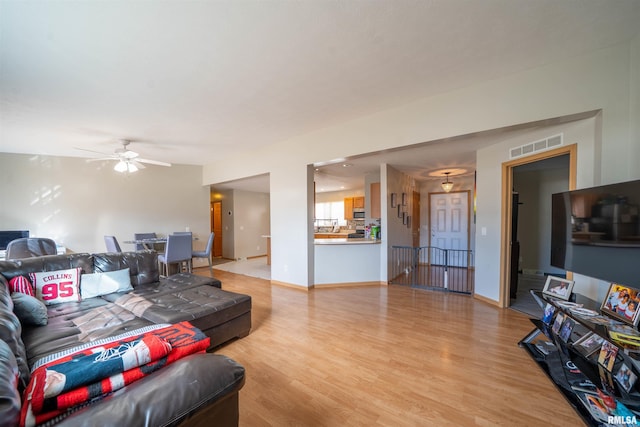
[
  {"x": 621, "y": 302},
  {"x": 557, "y": 323},
  {"x": 565, "y": 330},
  {"x": 607, "y": 356},
  {"x": 394, "y": 200},
  {"x": 625, "y": 377},
  {"x": 588, "y": 344},
  {"x": 549, "y": 311},
  {"x": 558, "y": 287}
]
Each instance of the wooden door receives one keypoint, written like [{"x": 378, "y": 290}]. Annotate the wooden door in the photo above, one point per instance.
[
  {"x": 216, "y": 227},
  {"x": 449, "y": 223},
  {"x": 415, "y": 220}
]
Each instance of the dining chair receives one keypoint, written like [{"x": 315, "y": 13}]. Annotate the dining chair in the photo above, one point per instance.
[
  {"x": 112, "y": 244},
  {"x": 142, "y": 236},
  {"x": 29, "y": 247},
  {"x": 206, "y": 253},
  {"x": 177, "y": 251}
]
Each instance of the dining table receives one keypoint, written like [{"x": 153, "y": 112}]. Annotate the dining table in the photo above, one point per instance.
[{"x": 148, "y": 243}]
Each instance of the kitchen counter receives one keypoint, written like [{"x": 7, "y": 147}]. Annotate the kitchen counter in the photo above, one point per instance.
[
  {"x": 345, "y": 241},
  {"x": 347, "y": 262},
  {"x": 328, "y": 235}
]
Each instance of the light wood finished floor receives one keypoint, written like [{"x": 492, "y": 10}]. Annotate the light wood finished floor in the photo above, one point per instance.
[{"x": 386, "y": 356}]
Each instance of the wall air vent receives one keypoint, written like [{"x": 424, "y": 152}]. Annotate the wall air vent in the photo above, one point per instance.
[{"x": 535, "y": 146}]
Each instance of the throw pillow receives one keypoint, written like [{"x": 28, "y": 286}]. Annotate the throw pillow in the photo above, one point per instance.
[
  {"x": 55, "y": 287},
  {"x": 30, "y": 310},
  {"x": 96, "y": 284},
  {"x": 21, "y": 284}
]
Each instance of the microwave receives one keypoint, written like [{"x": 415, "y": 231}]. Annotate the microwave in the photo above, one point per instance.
[{"x": 358, "y": 215}]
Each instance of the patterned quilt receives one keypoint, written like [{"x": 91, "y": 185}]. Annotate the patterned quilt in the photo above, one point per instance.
[{"x": 63, "y": 381}]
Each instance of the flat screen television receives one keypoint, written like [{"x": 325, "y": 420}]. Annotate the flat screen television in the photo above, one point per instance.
[
  {"x": 7, "y": 236},
  {"x": 596, "y": 232}
]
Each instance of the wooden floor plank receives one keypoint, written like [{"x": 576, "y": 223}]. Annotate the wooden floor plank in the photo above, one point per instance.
[{"x": 386, "y": 356}]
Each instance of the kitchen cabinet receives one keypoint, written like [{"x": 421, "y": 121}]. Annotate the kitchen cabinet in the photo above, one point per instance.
[
  {"x": 348, "y": 208},
  {"x": 374, "y": 195},
  {"x": 351, "y": 203}
]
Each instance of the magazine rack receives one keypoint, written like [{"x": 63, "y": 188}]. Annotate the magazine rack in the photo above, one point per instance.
[{"x": 569, "y": 355}]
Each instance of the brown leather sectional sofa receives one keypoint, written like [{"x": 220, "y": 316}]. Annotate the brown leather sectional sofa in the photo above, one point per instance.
[{"x": 201, "y": 389}]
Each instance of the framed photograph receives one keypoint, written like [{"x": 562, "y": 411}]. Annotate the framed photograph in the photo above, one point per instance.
[
  {"x": 558, "y": 287},
  {"x": 607, "y": 356},
  {"x": 588, "y": 344},
  {"x": 622, "y": 302},
  {"x": 404, "y": 199},
  {"x": 404, "y": 217},
  {"x": 626, "y": 378},
  {"x": 558, "y": 322},
  {"x": 399, "y": 211},
  {"x": 408, "y": 221},
  {"x": 549, "y": 311},
  {"x": 394, "y": 201},
  {"x": 565, "y": 330}
]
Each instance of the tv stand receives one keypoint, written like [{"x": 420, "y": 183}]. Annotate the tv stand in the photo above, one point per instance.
[{"x": 573, "y": 366}]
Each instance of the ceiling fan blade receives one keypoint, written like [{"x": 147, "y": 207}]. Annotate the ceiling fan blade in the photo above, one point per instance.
[
  {"x": 153, "y": 162},
  {"x": 101, "y": 159},
  {"x": 94, "y": 152},
  {"x": 137, "y": 164}
]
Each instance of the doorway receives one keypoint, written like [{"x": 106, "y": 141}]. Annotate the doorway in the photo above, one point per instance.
[
  {"x": 216, "y": 227},
  {"x": 522, "y": 229}
]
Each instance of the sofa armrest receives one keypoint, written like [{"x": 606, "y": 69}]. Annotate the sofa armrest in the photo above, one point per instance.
[{"x": 200, "y": 387}]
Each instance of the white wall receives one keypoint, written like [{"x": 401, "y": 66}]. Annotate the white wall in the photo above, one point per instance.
[
  {"x": 250, "y": 222},
  {"x": 77, "y": 203},
  {"x": 600, "y": 80}
]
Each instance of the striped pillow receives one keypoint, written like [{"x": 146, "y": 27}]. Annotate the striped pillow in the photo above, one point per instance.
[{"x": 21, "y": 284}]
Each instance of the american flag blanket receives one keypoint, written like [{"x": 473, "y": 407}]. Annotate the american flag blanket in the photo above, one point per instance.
[{"x": 63, "y": 381}]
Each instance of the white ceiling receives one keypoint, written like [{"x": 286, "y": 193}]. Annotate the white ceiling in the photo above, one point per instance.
[{"x": 194, "y": 82}]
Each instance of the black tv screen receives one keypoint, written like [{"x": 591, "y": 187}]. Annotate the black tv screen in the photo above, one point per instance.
[
  {"x": 596, "y": 232},
  {"x": 7, "y": 236}
]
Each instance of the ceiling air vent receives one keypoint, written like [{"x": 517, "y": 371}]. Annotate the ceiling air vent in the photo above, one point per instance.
[{"x": 533, "y": 147}]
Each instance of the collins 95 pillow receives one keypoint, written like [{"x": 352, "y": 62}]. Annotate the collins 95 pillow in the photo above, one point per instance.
[{"x": 55, "y": 287}]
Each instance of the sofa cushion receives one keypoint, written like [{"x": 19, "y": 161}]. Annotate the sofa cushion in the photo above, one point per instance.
[
  {"x": 55, "y": 287},
  {"x": 96, "y": 284},
  {"x": 22, "y": 285},
  {"x": 9, "y": 394},
  {"x": 142, "y": 265},
  {"x": 30, "y": 310},
  {"x": 22, "y": 267},
  {"x": 11, "y": 331}
]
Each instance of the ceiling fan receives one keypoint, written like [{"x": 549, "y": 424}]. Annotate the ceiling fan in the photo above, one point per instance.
[{"x": 127, "y": 160}]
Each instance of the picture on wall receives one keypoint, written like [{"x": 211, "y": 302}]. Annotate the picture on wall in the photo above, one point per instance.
[
  {"x": 622, "y": 302},
  {"x": 558, "y": 287},
  {"x": 394, "y": 201}
]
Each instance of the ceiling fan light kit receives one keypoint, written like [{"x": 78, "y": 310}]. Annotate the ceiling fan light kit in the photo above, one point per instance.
[
  {"x": 125, "y": 167},
  {"x": 127, "y": 160}
]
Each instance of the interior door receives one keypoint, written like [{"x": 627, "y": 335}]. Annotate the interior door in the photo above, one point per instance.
[
  {"x": 415, "y": 219},
  {"x": 449, "y": 222},
  {"x": 216, "y": 227}
]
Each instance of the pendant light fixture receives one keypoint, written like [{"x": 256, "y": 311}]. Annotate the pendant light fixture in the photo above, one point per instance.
[{"x": 447, "y": 186}]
